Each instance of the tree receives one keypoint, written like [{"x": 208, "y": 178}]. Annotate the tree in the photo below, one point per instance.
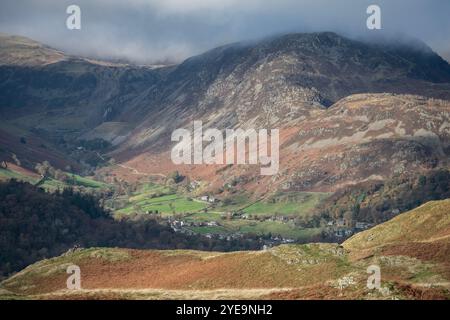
[
  {"x": 61, "y": 176},
  {"x": 176, "y": 177},
  {"x": 45, "y": 169},
  {"x": 422, "y": 180},
  {"x": 348, "y": 218},
  {"x": 16, "y": 160}
]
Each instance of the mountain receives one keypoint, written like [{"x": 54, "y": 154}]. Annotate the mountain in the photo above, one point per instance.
[
  {"x": 52, "y": 97},
  {"x": 446, "y": 56},
  {"x": 57, "y": 88},
  {"x": 339, "y": 104},
  {"x": 411, "y": 250},
  {"x": 281, "y": 80}
]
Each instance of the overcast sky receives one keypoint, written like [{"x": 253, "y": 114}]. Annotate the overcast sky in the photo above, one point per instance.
[{"x": 147, "y": 31}]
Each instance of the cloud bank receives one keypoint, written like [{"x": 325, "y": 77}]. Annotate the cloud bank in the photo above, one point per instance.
[{"x": 154, "y": 31}]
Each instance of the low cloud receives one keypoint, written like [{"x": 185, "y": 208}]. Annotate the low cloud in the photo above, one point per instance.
[{"x": 152, "y": 31}]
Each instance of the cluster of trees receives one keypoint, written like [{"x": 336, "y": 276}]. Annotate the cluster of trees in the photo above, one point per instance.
[
  {"x": 376, "y": 202},
  {"x": 85, "y": 152},
  {"x": 175, "y": 177},
  {"x": 46, "y": 170},
  {"x": 35, "y": 225}
]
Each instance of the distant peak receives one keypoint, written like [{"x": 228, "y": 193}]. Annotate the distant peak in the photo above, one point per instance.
[{"x": 23, "y": 51}]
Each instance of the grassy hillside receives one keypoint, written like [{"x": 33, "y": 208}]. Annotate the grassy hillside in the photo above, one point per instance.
[
  {"x": 318, "y": 271},
  {"x": 425, "y": 224},
  {"x": 285, "y": 266},
  {"x": 6, "y": 174}
]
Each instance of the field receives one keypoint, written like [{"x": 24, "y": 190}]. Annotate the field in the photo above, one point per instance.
[
  {"x": 88, "y": 183},
  {"x": 190, "y": 271},
  {"x": 301, "y": 204},
  {"x": 6, "y": 174},
  {"x": 276, "y": 228},
  {"x": 153, "y": 198},
  {"x": 51, "y": 184}
]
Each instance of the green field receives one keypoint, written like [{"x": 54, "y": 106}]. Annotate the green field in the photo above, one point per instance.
[
  {"x": 203, "y": 217},
  {"x": 150, "y": 190},
  {"x": 289, "y": 204},
  {"x": 160, "y": 199},
  {"x": 276, "y": 228},
  {"x": 78, "y": 181},
  {"x": 51, "y": 184},
  {"x": 89, "y": 183},
  {"x": 174, "y": 206},
  {"x": 6, "y": 174}
]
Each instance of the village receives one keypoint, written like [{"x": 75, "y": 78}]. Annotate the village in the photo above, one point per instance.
[{"x": 334, "y": 229}]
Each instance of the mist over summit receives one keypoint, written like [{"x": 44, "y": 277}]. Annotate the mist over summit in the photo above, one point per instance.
[{"x": 148, "y": 32}]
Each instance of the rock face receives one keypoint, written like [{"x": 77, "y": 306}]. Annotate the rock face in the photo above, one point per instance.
[
  {"x": 369, "y": 136},
  {"x": 325, "y": 92}
]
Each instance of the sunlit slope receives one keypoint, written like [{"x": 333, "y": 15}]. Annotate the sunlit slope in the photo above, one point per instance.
[
  {"x": 284, "y": 266},
  {"x": 412, "y": 251},
  {"x": 427, "y": 223}
]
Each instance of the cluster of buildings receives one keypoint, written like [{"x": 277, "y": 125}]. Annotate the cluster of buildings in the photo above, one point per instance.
[
  {"x": 336, "y": 228},
  {"x": 341, "y": 230},
  {"x": 209, "y": 199},
  {"x": 184, "y": 227}
]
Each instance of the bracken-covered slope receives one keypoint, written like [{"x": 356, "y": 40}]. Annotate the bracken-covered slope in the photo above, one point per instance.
[
  {"x": 361, "y": 137},
  {"x": 412, "y": 252}
]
